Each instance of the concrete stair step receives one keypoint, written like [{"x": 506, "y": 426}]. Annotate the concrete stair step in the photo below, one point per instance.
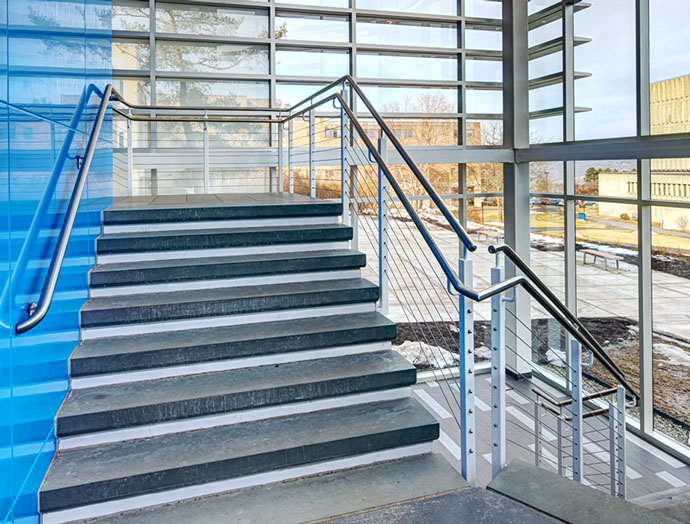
[
  {"x": 181, "y": 305},
  {"x": 312, "y": 498},
  {"x": 128, "y": 469},
  {"x": 150, "y": 402},
  {"x": 158, "y": 350},
  {"x": 233, "y": 208},
  {"x": 208, "y": 239},
  {"x": 214, "y": 268}
]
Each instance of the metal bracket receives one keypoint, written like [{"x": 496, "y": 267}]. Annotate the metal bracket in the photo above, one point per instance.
[{"x": 80, "y": 161}]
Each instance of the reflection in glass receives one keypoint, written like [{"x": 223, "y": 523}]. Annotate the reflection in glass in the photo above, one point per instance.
[
  {"x": 405, "y": 33},
  {"x": 212, "y": 58},
  {"x": 213, "y": 21},
  {"x": 137, "y": 92},
  {"x": 131, "y": 16},
  {"x": 212, "y": 93},
  {"x": 313, "y": 62},
  {"x": 320, "y": 28},
  {"x": 131, "y": 54},
  {"x": 408, "y": 67}
]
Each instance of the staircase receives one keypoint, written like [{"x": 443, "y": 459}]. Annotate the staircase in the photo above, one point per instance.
[{"x": 227, "y": 345}]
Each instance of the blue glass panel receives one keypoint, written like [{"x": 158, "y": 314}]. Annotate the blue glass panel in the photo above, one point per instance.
[{"x": 55, "y": 51}]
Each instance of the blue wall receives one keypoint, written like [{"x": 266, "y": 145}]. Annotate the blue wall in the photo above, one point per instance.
[{"x": 51, "y": 50}]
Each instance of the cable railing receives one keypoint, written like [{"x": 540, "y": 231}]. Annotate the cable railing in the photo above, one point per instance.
[{"x": 330, "y": 153}]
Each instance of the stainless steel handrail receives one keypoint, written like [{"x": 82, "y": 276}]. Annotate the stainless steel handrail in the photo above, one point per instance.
[
  {"x": 535, "y": 289},
  {"x": 50, "y": 283}
]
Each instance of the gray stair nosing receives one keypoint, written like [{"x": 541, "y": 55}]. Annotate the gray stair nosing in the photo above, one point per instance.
[
  {"x": 53, "y": 500},
  {"x": 243, "y": 348},
  {"x": 80, "y": 424}
]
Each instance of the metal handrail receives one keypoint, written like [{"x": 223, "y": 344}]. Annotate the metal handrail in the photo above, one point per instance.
[
  {"x": 530, "y": 282},
  {"x": 50, "y": 283}
]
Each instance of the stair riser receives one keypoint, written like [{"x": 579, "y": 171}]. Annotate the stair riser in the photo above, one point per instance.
[
  {"x": 185, "y": 241},
  {"x": 114, "y": 291},
  {"x": 225, "y": 252},
  {"x": 213, "y": 488},
  {"x": 229, "y": 419},
  {"x": 203, "y": 214},
  {"x": 154, "y": 373},
  {"x": 221, "y": 224},
  {"x": 102, "y": 278},
  {"x": 168, "y": 411},
  {"x": 225, "y": 306},
  {"x": 233, "y": 320},
  {"x": 233, "y": 468}
]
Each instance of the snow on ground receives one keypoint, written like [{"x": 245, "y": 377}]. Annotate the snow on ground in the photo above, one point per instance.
[
  {"x": 675, "y": 354},
  {"x": 423, "y": 354}
]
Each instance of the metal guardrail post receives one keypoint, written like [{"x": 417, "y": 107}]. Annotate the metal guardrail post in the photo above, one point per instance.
[
  {"x": 559, "y": 443},
  {"x": 576, "y": 408},
  {"x": 354, "y": 205},
  {"x": 537, "y": 435},
  {"x": 498, "y": 376},
  {"x": 621, "y": 462},
  {"x": 207, "y": 179},
  {"x": 280, "y": 157},
  {"x": 312, "y": 151},
  {"x": 383, "y": 229},
  {"x": 291, "y": 166},
  {"x": 344, "y": 164},
  {"x": 130, "y": 157},
  {"x": 613, "y": 449},
  {"x": 467, "y": 387}
]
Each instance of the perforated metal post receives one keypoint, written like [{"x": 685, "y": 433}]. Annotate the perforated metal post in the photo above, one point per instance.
[
  {"x": 280, "y": 157},
  {"x": 383, "y": 229},
  {"x": 344, "y": 164},
  {"x": 498, "y": 377},
  {"x": 576, "y": 407},
  {"x": 291, "y": 167},
  {"x": 312, "y": 151},
  {"x": 207, "y": 178},
  {"x": 620, "y": 419},
  {"x": 466, "y": 333}
]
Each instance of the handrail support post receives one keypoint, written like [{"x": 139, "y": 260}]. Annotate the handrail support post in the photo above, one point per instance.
[
  {"x": 207, "y": 177},
  {"x": 130, "y": 157},
  {"x": 621, "y": 461},
  {"x": 383, "y": 229},
  {"x": 498, "y": 376},
  {"x": 467, "y": 386},
  {"x": 291, "y": 164},
  {"x": 312, "y": 151},
  {"x": 576, "y": 408},
  {"x": 280, "y": 157},
  {"x": 344, "y": 164}
]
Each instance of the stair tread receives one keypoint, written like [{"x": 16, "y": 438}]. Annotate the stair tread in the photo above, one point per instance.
[
  {"x": 196, "y": 337},
  {"x": 237, "y": 259},
  {"x": 220, "y": 231},
  {"x": 312, "y": 498},
  {"x": 230, "y": 293},
  {"x": 146, "y": 459},
  {"x": 177, "y": 389}
]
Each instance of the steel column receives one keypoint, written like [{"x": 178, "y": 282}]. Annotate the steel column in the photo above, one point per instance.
[
  {"x": 383, "y": 228},
  {"x": 467, "y": 387},
  {"x": 576, "y": 408},
  {"x": 498, "y": 377}
]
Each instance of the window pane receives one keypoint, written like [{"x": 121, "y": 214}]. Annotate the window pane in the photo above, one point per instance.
[
  {"x": 480, "y": 101},
  {"x": 212, "y": 93},
  {"x": 405, "y": 33},
  {"x": 546, "y": 177},
  {"x": 417, "y": 131},
  {"x": 406, "y": 67},
  {"x": 671, "y": 335},
  {"x": 546, "y": 129},
  {"x": 484, "y": 70},
  {"x": 484, "y": 178},
  {"x": 136, "y": 92},
  {"x": 439, "y": 7},
  {"x": 487, "y": 40},
  {"x": 671, "y": 179},
  {"x": 670, "y": 67},
  {"x": 325, "y": 3},
  {"x": 214, "y": 58},
  {"x": 610, "y": 58},
  {"x": 483, "y": 9},
  {"x": 314, "y": 62},
  {"x": 130, "y": 54},
  {"x": 611, "y": 178},
  {"x": 320, "y": 28},
  {"x": 287, "y": 95},
  {"x": 484, "y": 132},
  {"x": 131, "y": 16},
  {"x": 412, "y": 99},
  {"x": 214, "y": 21}
]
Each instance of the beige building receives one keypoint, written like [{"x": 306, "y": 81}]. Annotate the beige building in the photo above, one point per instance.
[{"x": 669, "y": 113}]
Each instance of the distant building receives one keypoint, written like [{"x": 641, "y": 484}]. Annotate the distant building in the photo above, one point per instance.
[{"x": 669, "y": 113}]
